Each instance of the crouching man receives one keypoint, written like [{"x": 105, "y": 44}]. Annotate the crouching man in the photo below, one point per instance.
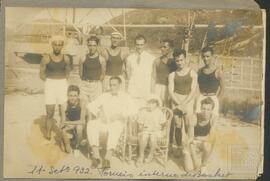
[
  {"x": 110, "y": 111},
  {"x": 199, "y": 147},
  {"x": 74, "y": 111}
]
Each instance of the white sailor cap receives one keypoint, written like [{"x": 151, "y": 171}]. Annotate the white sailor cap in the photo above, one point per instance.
[
  {"x": 116, "y": 34},
  {"x": 57, "y": 38}
]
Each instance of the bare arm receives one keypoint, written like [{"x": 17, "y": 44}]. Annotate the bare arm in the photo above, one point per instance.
[
  {"x": 81, "y": 66},
  {"x": 124, "y": 55},
  {"x": 171, "y": 87},
  {"x": 153, "y": 77},
  {"x": 42, "y": 69},
  {"x": 193, "y": 87},
  {"x": 128, "y": 68},
  {"x": 68, "y": 66},
  {"x": 219, "y": 75},
  {"x": 103, "y": 67}
]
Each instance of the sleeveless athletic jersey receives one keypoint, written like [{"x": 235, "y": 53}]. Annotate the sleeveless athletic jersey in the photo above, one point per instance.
[
  {"x": 114, "y": 64},
  {"x": 163, "y": 71},
  {"x": 73, "y": 113},
  {"x": 91, "y": 68},
  {"x": 182, "y": 84},
  {"x": 56, "y": 70},
  {"x": 172, "y": 65},
  {"x": 202, "y": 130},
  {"x": 208, "y": 83}
]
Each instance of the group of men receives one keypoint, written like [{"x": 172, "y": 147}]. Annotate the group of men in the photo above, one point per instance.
[{"x": 102, "y": 102}]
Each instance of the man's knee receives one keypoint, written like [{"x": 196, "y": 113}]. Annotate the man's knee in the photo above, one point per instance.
[{"x": 207, "y": 146}]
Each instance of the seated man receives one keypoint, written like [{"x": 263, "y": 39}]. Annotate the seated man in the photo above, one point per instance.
[
  {"x": 75, "y": 109},
  {"x": 110, "y": 110},
  {"x": 150, "y": 126},
  {"x": 203, "y": 139}
]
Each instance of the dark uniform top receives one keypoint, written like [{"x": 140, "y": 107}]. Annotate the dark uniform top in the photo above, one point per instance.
[
  {"x": 208, "y": 83},
  {"x": 202, "y": 130},
  {"x": 73, "y": 113},
  {"x": 56, "y": 70},
  {"x": 163, "y": 70},
  {"x": 182, "y": 84},
  {"x": 91, "y": 68},
  {"x": 114, "y": 66}
]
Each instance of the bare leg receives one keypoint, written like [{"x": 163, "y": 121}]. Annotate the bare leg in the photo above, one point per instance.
[
  {"x": 188, "y": 163},
  {"x": 49, "y": 120},
  {"x": 207, "y": 149},
  {"x": 194, "y": 156},
  {"x": 142, "y": 145},
  {"x": 153, "y": 146},
  {"x": 79, "y": 133}
]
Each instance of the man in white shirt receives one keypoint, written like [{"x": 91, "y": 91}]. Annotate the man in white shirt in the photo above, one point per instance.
[
  {"x": 110, "y": 110},
  {"x": 140, "y": 70}
]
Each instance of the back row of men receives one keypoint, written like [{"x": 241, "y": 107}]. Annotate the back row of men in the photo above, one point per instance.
[{"x": 168, "y": 76}]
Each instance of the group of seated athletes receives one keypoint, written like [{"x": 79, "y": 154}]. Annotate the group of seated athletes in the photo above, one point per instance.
[{"x": 115, "y": 84}]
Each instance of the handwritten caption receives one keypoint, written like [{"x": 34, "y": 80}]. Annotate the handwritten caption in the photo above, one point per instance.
[{"x": 107, "y": 172}]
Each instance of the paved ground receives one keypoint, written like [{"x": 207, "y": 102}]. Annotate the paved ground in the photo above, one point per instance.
[{"x": 26, "y": 150}]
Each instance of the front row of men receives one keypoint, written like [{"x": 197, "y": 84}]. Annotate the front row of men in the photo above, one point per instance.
[{"x": 109, "y": 113}]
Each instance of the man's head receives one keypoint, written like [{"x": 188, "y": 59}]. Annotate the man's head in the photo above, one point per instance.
[
  {"x": 57, "y": 43},
  {"x": 73, "y": 94},
  {"x": 207, "y": 55},
  {"x": 140, "y": 42},
  {"x": 92, "y": 43},
  {"x": 207, "y": 106},
  {"x": 115, "y": 84},
  {"x": 166, "y": 46},
  {"x": 116, "y": 38},
  {"x": 180, "y": 58}
]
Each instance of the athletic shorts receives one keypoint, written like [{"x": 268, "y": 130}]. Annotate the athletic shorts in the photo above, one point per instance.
[
  {"x": 55, "y": 91},
  {"x": 91, "y": 89},
  {"x": 162, "y": 92}
]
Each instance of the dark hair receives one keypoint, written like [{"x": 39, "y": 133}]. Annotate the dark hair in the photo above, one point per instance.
[
  {"x": 208, "y": 100},
  {"x": 178, "y": 112},
  {"x": 74, "y": 88},
  {"x": 170, "y": 42},
  {"x": 140, "y": 37},
  {"x": 178, "y": 52},
  {"x": 153, "y": 101},
  {"x": 208, "y": 49},
  {"x": 116, "y": 78},
  {"x": 93, "y": 38}
]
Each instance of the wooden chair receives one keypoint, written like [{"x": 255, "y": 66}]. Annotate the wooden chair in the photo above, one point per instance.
[{"x": 161, "y": 153}]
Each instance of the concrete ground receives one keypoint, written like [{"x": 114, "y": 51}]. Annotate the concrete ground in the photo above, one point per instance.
[{"x": 28, "y": 154}]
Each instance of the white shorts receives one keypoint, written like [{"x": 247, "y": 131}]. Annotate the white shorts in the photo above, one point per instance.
[
  {"x": 55, "y": 91},
  {"x": 91, "y": 90}
]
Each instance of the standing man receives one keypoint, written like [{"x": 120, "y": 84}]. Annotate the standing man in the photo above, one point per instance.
[
  {"x": 210, "y": 80},
  {"x": 182, "y": 86},
  {"x": 163, "y": 66},
  {"x": 92, "y": 67},
  {"x": 54, "y": 70},
  {"x": 115, "y": 57},
  {"x": 140, "y": 66},
  {"x": 110, "y": 110}
]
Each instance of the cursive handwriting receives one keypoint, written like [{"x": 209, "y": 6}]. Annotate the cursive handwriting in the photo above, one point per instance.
[{"x": 217, "y": 173}]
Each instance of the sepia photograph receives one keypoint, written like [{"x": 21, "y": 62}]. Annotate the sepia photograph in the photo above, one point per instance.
[{"x": 133, "y": 93}]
